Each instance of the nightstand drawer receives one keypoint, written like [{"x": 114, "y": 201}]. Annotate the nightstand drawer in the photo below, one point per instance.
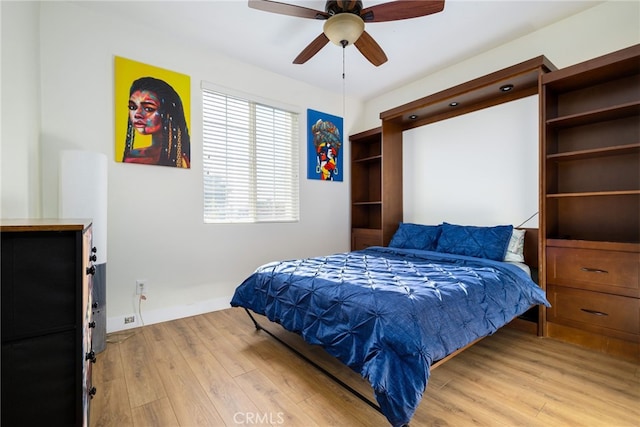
[
  {"x": 362, "y": 238},
  {"x": 602, "y": 313},
  {"x": 598, "y": 270}
]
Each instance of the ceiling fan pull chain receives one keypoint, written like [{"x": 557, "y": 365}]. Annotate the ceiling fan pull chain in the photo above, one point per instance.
[
  {"x": 343, "y": 48},
  {"x": 344, "y": 88}
]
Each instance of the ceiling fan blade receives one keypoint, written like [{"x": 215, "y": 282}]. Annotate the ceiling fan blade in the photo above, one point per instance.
[
  {"x": 371, "y": 49},
  {"x": 401, "y": 9},
  {"x": 287, "y": 9},
  {"x": 313, "y": 48}
]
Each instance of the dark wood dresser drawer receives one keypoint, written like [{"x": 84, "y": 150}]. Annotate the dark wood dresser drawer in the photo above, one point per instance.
[
  {"x": 594, "y": 269},
  {"x": 606, "y": 314}
]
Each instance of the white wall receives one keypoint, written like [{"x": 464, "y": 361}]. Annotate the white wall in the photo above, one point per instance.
[
  {"x": 155, "y": 226},
  {"x": 20, "y": 86},
  {"x": 480, "y": 168},
  {"x": 604, "y": 28}
]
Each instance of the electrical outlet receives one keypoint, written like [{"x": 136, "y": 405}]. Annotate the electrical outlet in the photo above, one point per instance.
[
  {"x": 129, "y": 319},
  {"x": 141, "y": 286}
]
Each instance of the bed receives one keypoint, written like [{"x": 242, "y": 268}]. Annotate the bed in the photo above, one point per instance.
[{"x": 390, "y": 313}]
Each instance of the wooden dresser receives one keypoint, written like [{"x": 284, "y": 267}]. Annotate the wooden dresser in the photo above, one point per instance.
[
  {"x": 46, "y": 282},
  {"x": 590, "y": 207}
]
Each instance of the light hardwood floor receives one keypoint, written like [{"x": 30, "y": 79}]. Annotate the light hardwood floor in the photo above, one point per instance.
[{"x": 216, "y": 370}]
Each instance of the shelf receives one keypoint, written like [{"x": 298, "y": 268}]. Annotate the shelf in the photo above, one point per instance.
[
  {"x": 591, "y": 149},
  {"x": 369, "y": 203},
  {"x": 594, "y": 116},
  {"x": 376, "y": 158},
  {"x": 366, "y": 229},
  {"x": 591, "y": 244},
  {"x": 594, "y": 194},
  {"x": 376, "y": 179},
  {"x": 592, "y": 72},
  {"x": 366, "y": 146},
  {"x": 596, "y": 153}
]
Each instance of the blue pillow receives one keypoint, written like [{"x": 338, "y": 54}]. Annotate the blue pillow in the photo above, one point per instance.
[
  {"x": 479, "y": 242},
  {"x": 415, "y": 236}
]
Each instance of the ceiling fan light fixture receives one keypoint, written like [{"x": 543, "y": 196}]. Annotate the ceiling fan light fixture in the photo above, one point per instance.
[{"x": 344, "y": 27}]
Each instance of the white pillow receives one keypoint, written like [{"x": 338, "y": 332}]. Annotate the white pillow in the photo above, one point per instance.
[{"x": 515, "y": 250}]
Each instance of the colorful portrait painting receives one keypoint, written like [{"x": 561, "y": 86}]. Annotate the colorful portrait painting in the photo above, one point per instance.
[
  {"x": 152, "y": 115},
  {"x": 324, "y": 146}
]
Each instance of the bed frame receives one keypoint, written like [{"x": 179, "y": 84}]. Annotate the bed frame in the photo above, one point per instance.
[
  {"x": 531, "y": 259},
  {"x": 324, "y": 371}
]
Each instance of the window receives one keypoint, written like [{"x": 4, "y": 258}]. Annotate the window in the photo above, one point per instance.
[{"x": 250, "y": 161}]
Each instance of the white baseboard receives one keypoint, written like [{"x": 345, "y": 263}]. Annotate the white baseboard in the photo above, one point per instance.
[{"x": 115, "y": 324}]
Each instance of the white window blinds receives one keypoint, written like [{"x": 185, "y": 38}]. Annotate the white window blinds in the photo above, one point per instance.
[{"x": 250, "y": 161}]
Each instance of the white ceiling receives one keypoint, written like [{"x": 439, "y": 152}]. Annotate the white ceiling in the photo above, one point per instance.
[{"x": 415, "y": 47}]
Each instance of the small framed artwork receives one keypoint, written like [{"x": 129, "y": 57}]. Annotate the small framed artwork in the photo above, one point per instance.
[
  {"x": 151, "y": 115},
  {"x": 324, "y": 146}
]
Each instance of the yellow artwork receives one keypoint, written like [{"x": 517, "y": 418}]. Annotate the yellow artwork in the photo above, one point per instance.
[{"x": 152, "y": 115}]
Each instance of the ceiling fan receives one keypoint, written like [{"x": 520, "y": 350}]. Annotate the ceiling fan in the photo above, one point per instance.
[{"x": 345, "y": 21}]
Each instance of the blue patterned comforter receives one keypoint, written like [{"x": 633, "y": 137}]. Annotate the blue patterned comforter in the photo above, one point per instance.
[{"x": 390, "y": 313}]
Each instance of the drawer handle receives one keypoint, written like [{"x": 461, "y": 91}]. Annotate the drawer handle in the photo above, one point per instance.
[
  {"x": 593, "y": 270},
  {"x": 594, "y": 312}
]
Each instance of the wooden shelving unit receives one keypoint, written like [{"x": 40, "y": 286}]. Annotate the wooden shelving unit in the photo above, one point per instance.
[
  {"x": 373, "y": 181},
  {"x": 376, "y": 154},
  {"x": 590, "y": 204}
]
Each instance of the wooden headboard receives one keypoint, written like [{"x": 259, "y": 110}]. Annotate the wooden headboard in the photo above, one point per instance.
[{"x": 531, "y": 247}]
